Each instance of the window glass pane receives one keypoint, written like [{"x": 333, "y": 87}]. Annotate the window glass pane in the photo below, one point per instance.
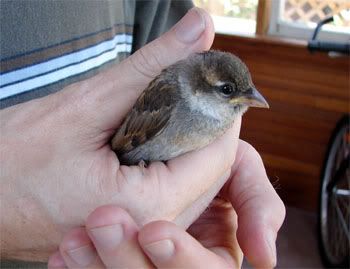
[
  {"x": 231, "y": 16},
  {"x": 310, "y": 12}
]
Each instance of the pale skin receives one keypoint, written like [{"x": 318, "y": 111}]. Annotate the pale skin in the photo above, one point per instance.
[
  {"x": 210, "y": 242},
  {"x": 57, "y": 165}
]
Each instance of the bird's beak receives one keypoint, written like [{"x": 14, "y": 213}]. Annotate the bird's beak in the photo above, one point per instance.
[{"x": 251, "y": 98}]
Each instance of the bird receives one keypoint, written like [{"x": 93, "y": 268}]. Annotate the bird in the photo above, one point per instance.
[{"x": 184, "y": 108}]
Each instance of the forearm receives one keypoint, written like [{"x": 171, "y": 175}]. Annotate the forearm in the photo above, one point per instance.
[
  {"x": 25, "y": 228},
  {"x": 25, "y": 223}
]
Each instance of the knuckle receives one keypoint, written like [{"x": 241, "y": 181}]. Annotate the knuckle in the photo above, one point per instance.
[
  {"x": 277, "y": 211},
  {"x": 249, "y": 150},
  {"x": 281, "y": 211},
  {"x": 147, "y": 60}
]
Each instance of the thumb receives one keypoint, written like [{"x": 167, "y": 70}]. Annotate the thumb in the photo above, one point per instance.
[{"x": 120, "y": 86}]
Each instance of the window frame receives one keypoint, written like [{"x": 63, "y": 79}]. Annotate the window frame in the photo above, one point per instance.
[{"x": 281, "y": 28}]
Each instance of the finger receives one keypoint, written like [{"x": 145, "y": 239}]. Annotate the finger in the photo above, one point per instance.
[
  {"x": 119, "y": 87},
  {"x": 201, "y": 172},
  {"x": 114, "y": 234},
  {"x": 168, "y": 246},
  {"x": 216, "y": 230},
  {"x": 56, "y": 261},
  {"x": 78, "y": 251},
  {"x": 260, "y": 210},
  {"x": 182, "y": 185},
  {"x": 200, "y": 205}
]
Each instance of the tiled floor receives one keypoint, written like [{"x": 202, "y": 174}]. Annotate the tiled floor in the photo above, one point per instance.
[{"x": 297, "y": 241}]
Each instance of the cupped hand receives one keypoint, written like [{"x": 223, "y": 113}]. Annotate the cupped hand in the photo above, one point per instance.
[
  {"x": 112, "y": 239},
  {"x": 57, "y": 164}
]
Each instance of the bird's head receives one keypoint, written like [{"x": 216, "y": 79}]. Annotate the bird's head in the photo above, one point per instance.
[{"x": 225, "y": 78}]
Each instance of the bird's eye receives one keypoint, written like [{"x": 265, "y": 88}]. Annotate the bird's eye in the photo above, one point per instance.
[{"x": 227, "y": 89}]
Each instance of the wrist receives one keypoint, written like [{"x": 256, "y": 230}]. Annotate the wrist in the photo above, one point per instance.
[
  {"x": 24, "y": 227},
  {"x": 26, "y": 233}
]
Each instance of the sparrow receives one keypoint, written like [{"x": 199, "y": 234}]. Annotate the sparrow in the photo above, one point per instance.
[{"x": 187, "y": 106}]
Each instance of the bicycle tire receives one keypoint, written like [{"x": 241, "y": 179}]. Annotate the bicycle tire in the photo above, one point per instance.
[{"x": 328, "y": 258}]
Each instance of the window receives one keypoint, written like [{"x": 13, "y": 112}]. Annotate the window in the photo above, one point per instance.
[
  {"x": 231, "y": 16},
  {"x": 298, "y": 18},
  {"x": 286, "y": 18}
]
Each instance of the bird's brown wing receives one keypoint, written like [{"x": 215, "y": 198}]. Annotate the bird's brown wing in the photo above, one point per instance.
[{"x": 147, "y": 118}]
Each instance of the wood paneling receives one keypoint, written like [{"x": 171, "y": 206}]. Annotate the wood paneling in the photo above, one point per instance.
[{"x": 308, "y": 94}]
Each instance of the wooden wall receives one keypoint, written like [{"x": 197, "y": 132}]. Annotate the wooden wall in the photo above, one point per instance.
[{"x": 308, "y": 94}]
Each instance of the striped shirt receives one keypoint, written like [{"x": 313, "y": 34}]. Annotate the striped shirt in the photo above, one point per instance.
[{"x": 46, "y": 45}]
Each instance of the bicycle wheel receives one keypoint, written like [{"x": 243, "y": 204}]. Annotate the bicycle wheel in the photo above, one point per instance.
[{"x": 334, "y": 200}]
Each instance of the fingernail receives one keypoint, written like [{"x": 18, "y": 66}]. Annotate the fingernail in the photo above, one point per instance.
[
  {"x": 191, "y": 26},
  {"x": 160, "y": 250},
  {"x": 108, "y": 237},
  {"x": 271, "y": 242},
  {"x": 83, "y": 256}
]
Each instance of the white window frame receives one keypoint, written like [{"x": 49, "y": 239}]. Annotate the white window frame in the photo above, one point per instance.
[{"x": 279, "y": 27}]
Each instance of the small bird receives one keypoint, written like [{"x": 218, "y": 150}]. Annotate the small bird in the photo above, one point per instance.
[{"x": 186, "y": 107}]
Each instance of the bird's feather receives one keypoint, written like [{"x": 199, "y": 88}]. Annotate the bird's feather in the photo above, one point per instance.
[{"x": 147, "y": 118}]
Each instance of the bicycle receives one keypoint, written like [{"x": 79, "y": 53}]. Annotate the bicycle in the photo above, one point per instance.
[{"x": 334, "y": 195}]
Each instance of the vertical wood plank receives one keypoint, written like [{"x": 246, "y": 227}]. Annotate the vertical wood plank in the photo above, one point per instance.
[{"x": 263, "y": 17}]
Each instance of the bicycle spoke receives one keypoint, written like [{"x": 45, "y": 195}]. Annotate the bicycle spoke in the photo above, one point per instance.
[
  {"x": 342, "y": 192},
  {"x": 333, "y": 231},
  {"x": 341, "y": 230}
]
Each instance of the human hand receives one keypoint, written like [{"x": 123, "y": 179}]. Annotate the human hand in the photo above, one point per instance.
[
  {"x": 112, "y": 239},
  {"x": 57, "y": 164},
  {"x": 218, "y": 237}
]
